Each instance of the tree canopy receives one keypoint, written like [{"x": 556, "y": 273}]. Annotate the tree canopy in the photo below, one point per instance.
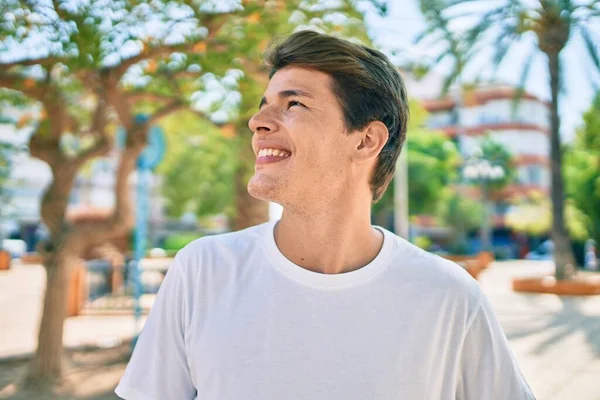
[{"x": 582, "y": 170}]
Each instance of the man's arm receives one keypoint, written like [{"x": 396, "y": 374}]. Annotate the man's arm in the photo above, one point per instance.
[
  {"x": 488, "y": 367},
  {"x": 158, "y": 368}
]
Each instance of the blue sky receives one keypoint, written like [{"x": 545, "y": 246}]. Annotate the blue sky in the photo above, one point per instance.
[{"x": 404, "y": 21}]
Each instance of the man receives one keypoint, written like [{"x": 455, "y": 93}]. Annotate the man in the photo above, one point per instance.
[{"x": 321, "y": 305}]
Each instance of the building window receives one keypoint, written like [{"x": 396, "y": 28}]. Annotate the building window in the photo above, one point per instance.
[{"x": 535, "y": 175}]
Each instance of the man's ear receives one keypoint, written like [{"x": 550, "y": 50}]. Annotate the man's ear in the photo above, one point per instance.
[{"x": 371, "y": 141}]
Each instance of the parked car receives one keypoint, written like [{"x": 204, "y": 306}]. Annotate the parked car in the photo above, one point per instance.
[
  {"x": 545, "y": 251},
  {"x": 15, "y": 247}
]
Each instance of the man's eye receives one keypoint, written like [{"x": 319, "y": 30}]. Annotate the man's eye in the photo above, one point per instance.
[{"x": 292, "y": 103}]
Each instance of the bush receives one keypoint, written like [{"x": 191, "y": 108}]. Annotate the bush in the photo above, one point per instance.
[
  {"x": 179, "y": 241},
  {"x": 423, "y": 242}
]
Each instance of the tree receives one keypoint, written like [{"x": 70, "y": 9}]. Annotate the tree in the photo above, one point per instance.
[
  {"x": 433, "y": 162},
  {"x": 90, "y": 67},
  {"x": 497, "y": 154},
  {"x": 491, "y": 169},
  {"x": 551, "y": 25},
  {"x": 461, "y": 214},
  {"x": 532, "y": 214},
  {"x": 99, "y": 66},
  {"x": 583, "y": 170},
  {"x": 198, "y": 170}
]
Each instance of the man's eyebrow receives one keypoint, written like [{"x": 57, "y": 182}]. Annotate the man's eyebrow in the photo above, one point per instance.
[{"x": 288, "y": 93}]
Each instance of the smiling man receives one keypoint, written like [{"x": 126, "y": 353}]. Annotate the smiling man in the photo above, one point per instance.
[{"x": 322, "y": 305}]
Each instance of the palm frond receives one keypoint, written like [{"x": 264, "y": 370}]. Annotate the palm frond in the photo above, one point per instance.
[
  {"x": 522, "y": 80},
  {"x": 505, "y": 41},
  {"x": 453, "y": 76},
  {"x": 590, "y": 44},
  {"x": 567, "y": 5},
  {"x": 487, "y": 21},
  {"x": 431, "y": 29}
]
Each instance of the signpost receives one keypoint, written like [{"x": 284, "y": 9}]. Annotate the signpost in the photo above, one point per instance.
[{"x": 147, "y": 161}]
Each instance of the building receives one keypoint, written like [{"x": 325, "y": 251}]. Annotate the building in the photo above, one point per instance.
[{"x": 522, "y": 127}]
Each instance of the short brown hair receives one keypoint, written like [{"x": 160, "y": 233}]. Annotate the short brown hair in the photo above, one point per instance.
[{"x": 367, "y": 85}]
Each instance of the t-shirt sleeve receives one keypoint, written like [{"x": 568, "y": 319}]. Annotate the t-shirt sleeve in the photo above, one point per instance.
[
  {"x": 488, "y": 367},
  {"x": 158, "y": 368}
]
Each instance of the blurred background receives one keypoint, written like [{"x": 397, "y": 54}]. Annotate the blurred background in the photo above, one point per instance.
[{"x": 123, "y": 137}]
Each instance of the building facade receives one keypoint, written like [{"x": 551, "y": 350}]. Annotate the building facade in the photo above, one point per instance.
[
  {"x": 520, "y": 126},
  {"x": 518, "y": 121}
]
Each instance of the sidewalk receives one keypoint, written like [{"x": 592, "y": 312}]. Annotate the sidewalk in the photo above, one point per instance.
[
  {"x": 21, "y": 297},
  {"x": 555, "y": 340}
]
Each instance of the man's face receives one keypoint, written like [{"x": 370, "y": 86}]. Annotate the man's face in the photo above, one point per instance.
[{"x": 301, "y": 118}]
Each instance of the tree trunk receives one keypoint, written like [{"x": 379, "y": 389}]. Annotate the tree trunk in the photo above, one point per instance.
[
  {"x": 66, "y": 246},
  {"x": 563, "y": 253},
  {"x": 46, "y": 367},
  {"x": 249, "y": 210},
  {"x": 487, "y": 225}
]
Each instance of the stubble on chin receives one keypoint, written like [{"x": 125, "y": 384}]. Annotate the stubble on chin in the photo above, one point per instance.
[{"x": 264, "y": 189}]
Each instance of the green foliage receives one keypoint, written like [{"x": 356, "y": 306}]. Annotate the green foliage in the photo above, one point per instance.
[
  {"x": 461, "y": 215},
  {"x": 532, "y": 214},
  {"x": 497, "y": 154},
  {"x": 582, "y": 171},
  {"x": 423, "y": 242},
  {"x": 7, "y": 154},
  {"x": 198, "y": 168},
  {"x": 432, "y": 164},
  {"x": 179, "y": 241}
]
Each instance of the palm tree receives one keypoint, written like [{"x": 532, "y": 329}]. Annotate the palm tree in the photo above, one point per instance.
[{"x": 550, "y": 26}]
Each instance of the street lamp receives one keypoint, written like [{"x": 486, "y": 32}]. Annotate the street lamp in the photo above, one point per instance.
[{"x": 480, "y": 170}]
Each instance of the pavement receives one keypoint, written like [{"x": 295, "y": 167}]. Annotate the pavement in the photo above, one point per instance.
[{"x": 556, "y": 340}]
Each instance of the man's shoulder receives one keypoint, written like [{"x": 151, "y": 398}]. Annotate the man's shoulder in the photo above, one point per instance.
[
  {"x": 238, "y": 241},
  {"x": 213, "y": 248},
  {"x": 434, "y": 273}
]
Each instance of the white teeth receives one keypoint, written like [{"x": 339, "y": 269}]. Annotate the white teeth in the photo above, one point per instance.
[{"x": 273, "y": 153}]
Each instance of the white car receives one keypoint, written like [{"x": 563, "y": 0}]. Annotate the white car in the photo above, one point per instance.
[{"x": 15, "y": 247}]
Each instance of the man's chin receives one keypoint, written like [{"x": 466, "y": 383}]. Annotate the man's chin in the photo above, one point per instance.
[{"x": 261, "y": 191}]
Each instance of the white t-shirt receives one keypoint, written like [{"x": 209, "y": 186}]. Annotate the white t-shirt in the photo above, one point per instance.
[{"x": 234, "y": 319}]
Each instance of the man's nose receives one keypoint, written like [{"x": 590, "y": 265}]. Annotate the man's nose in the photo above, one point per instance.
[{"x": 261, "y": 122}]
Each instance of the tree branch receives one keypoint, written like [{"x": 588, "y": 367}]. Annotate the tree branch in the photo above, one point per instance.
[
  {"x": 44, "y": 150},
  {"x": 173, "y": 106},
  {"x": 119, "y": 103},
  {"x": 140, "y": 95},
  {"x": 28, "y": 62},
  {"x": 101, "y": 148},
  {"x": 28, "y": 86},
  {"x": 99, "y": 121}
]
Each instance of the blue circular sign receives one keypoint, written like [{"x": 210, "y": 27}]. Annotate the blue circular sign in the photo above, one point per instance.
[{"x": 154, "y": 152}]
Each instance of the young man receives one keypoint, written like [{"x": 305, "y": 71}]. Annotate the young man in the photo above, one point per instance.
[{"x": 321, "y": 305}]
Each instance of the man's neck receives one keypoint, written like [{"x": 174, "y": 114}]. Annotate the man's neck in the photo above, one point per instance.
[{"x": 328, "y": 243}]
